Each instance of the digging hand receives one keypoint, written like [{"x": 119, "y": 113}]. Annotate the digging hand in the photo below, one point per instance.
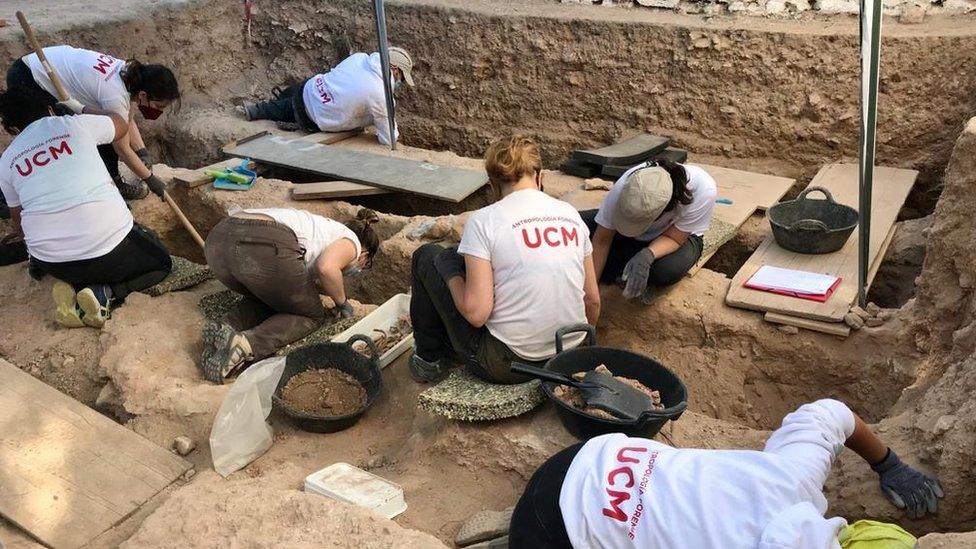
[
  {"x": 907, "y": 488},
  {"x": 449, "y": 263},
  {"x": 635, "y": 273},
  {"x": 146, "y": 157},
  {"x": 68, "y": 107},
  {"x": 155, "y": 185},
  {"x": 342, "y": 310}
]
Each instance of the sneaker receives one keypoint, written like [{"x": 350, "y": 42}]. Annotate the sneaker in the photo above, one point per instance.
[
  {"x": 224, "y": 352},
  {"x": 129, "y": 190},
  {"x": 247, "y": 110},
  {"x": 94, "y": 302},
  {"x": 289, "y": 126},
  {"x": 423, "y": 371},
  {"x": 66, "y": 311}
]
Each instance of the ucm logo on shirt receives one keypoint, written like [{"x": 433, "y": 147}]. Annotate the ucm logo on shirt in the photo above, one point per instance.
[
  {"x": 41, "y": 158},
  {"x": 552, "y": 236},
  {"x": 624, "y": 474},
  {"x": 103, "y": 63}
]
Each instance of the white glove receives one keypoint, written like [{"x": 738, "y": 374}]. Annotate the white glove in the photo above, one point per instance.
[{"x": 73, "y": 105}]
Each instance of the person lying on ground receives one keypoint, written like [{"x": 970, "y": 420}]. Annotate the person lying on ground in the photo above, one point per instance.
[
  {"x": 280, "y": 260},
  {"x": 522, "y": 271},
  {"x": 615, "y": 491},
  {"x": 649, "y": 228},
  {"x": 76, "y": 225},
  {"x": 100, "y": 81},
  {"x": 348, "y": 97}
]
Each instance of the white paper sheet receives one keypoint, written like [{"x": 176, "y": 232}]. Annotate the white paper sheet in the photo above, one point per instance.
[{"x": 790, "y": 280}]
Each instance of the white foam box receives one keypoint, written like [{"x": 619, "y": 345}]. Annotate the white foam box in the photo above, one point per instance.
[
  {"x": 383, "y": 318},
  {"x": 350, "y": 484}
]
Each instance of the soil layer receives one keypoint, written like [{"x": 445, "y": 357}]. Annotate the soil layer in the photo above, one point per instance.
[{"x": 324, "y": 393}]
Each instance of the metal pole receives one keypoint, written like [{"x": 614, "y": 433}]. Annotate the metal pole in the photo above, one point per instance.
[
  {"x": 384, "y": 48},
  {"x": 870, "y": 61}
]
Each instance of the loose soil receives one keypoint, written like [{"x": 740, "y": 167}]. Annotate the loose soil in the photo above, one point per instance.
[
  {"x": 326, "y": 392},
  {"x": 573, "y": 396}
]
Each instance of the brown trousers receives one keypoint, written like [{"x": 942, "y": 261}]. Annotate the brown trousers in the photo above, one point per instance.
[{"x": 263, "y": 261}]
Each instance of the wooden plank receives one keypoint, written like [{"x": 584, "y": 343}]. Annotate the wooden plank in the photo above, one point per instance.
[
  {"x": 333, "y": 189},
  {"x": 328, "y": 138},
  {"x": 748, "y": 192},
  {"x": 629, "y": 151},
  {"x": 397, "y": 174},
  {"x": 68, "y": 473},
  {"x": 195, "y": 178},
  {"x": 891, "y": 189},
  {"x": 832, "y": 328}
]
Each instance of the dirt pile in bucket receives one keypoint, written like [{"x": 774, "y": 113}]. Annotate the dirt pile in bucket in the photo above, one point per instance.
[
  {"x": 325, "y": 393},
  {"x": 573, "y": 396}
]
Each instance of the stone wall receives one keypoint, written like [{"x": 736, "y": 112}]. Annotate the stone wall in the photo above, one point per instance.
[{"x": 907, "y": 11}]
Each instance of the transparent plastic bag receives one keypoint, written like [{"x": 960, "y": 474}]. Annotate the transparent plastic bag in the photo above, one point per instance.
[{"x": 241, "y": 432}]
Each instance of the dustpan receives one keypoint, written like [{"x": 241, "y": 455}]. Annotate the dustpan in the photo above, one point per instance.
[{"x": 238, "y": 178}]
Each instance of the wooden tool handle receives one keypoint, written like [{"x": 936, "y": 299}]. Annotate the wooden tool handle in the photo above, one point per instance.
[
  {"x": 186, "y": 222},
  {"x": 36, "y": 46}
]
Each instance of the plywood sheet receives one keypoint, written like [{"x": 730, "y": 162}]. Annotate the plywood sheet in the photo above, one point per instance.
[
  {"x": 398, "y": 174},
  {"x": 832, "y": 328},
  {"x": 629, "y": 151},
  {"x": 748, "y": 192},
  {"x": 68, "y": 473},
  {"x": 891, "y": 188},
  {"x": 333, "y": 189}
]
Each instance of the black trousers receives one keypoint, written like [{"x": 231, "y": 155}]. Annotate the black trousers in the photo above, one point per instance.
[
  {"x": 288, "y": 106},
  {"x": 138, "y": 262},
  {"x": 537, "y": 522},
  {"x": 664, "y": 272}
]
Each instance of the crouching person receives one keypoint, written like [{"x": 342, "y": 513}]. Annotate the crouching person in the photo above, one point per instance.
[
  {"x": 615, "y": 491},
  {"x": 522, "y": 271},
  {"x": 280, "y": 260},
  {"x": 73, "y": 219}
]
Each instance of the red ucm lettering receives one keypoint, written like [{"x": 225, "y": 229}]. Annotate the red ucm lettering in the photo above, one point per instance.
[
  {"x": 551, "y": 236},
  {"x": 42, "y": 158}
]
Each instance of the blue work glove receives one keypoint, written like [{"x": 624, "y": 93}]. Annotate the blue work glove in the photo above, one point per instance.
[
  {"x": 449, "y": 263},
  {"x": 907, "y": 488},
  {"x": 635, "y": 273}
]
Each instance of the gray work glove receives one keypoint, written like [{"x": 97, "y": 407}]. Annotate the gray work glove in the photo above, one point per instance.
[
  {"x": 907, "y": 488},
  {"x": 636, "y": 272},
  {"x": 68, "y": 106},
  {"x": 449, "y": 263},
  {"x": 343, "y": 310},
  {"x": 155, "y": 185},
  {"x": 146, "y": 157}
]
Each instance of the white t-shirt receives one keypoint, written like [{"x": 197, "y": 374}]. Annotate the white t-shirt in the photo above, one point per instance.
[
  {"x": 536, "y": 245},
  {"x": 71, "y": 209},
  {"x": 693, "y": 218},
  {"x": 349, "y": 96},
  {"x": 90, "y": 77},
  {"x": 625, "y": 492},
  {"x": 315, "y": 233}
]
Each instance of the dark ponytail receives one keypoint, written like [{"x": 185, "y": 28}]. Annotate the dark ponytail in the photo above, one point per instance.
[
  {"x": 679, "y": 179},
  {"x": 157, "y": 81},
  {"x": 21, "y": 106},
  {"x": 361, "y": 226}
]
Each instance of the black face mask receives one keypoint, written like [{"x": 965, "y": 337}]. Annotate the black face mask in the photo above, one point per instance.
[{"x": 149, "y": 112}]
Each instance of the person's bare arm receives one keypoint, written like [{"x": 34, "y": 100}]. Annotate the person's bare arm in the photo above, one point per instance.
[
  {"x": 135, "y": 136},
  {"x": 329, "y": 265},
  {"x": 15, "y": 220},
  {"x": 591, "y": 291},
  {"x": 129, "y": 157},
  {"x": 474, "y": 293},
  {"x": 668, "y": 242},
  {"x": 602, "y": 239},
  {"x": 865, "y": 443}
]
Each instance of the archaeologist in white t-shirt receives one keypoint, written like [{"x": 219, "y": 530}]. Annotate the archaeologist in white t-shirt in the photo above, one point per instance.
[
  {"x": 348, "y": 97},
  {"x": 100, "y": 81},
  {"x": 77, "y": 227},
  {"x": 280, "y": 260},
  {"x": 522, "y": 271},
  {"x": 648, "y": 231},
  {"x": 618, "y": 492}
]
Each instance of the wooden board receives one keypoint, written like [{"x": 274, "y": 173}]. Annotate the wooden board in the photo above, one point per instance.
[
  {"x": 748, "y": 192},
  {"x": 328, "y": 138},
  {"x": 891, "y": 188},
  {"x": 333, "y": 189},
  {"x": 629, "y": 151},
  {"x": 832, "y": 328},
  {"x": 68, "y": 473},
  {"x": 196, "y": 178},
  {"x": 397, "y": 174}
]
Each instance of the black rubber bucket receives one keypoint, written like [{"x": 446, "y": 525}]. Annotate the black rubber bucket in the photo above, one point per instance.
[
  {"x": 648, "y": 371},
  {"x": 340, "y": 356},
  {"x": 812, "y": 226}
]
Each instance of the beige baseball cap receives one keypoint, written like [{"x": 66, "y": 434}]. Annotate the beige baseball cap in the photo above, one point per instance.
[
  {"x": 400, "y": 59},
  {"x": 645, "y": 194}
]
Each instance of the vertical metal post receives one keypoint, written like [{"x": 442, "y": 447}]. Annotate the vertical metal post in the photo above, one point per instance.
[
  {"x": 384, "y": 49},
  {"x": 870, "y": 61}
]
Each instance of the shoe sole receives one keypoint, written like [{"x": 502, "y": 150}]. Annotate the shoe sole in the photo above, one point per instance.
[
  {"x": 421, "y": 375},
  {"x": 217, "y": 340},
  {"x": 66, "y": 306},
  {"x": 94, "y": 314}
]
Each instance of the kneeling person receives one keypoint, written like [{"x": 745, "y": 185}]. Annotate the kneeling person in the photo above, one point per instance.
[
  {"x": 63, "y": 200},
  {"x": 280, "y": 260},
  {"x": 650, "y": 225}
]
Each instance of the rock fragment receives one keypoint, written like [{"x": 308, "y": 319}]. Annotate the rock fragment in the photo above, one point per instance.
[
  {"x": 854, "y": 321},
  {"x": 184, "y": 445}
]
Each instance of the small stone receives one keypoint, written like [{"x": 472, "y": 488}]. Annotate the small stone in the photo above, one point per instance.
[
  {"x": 190, "y": 473},
  {"x": 911, "y": 14},
  {"x": 944, "y": 423},
  {"x": 597, "y": 184},
  {"x": 69, "y": 362},
  {"x": 874, "y": 322},
  {"x": 788, "y": 330},
  {"x": 886, "y": 315},
  {"x": 837, "y": 6},
  {"x": 873, "y": 309},
  {"x": 861, "y": 312},
  {"x": 184, "y": 445},
  {"x": 107, "y": 397},
  {"x": 854, "y": 321},
  {"x": 774, "y": 7},
  {"x": 668, "y": 4}
]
